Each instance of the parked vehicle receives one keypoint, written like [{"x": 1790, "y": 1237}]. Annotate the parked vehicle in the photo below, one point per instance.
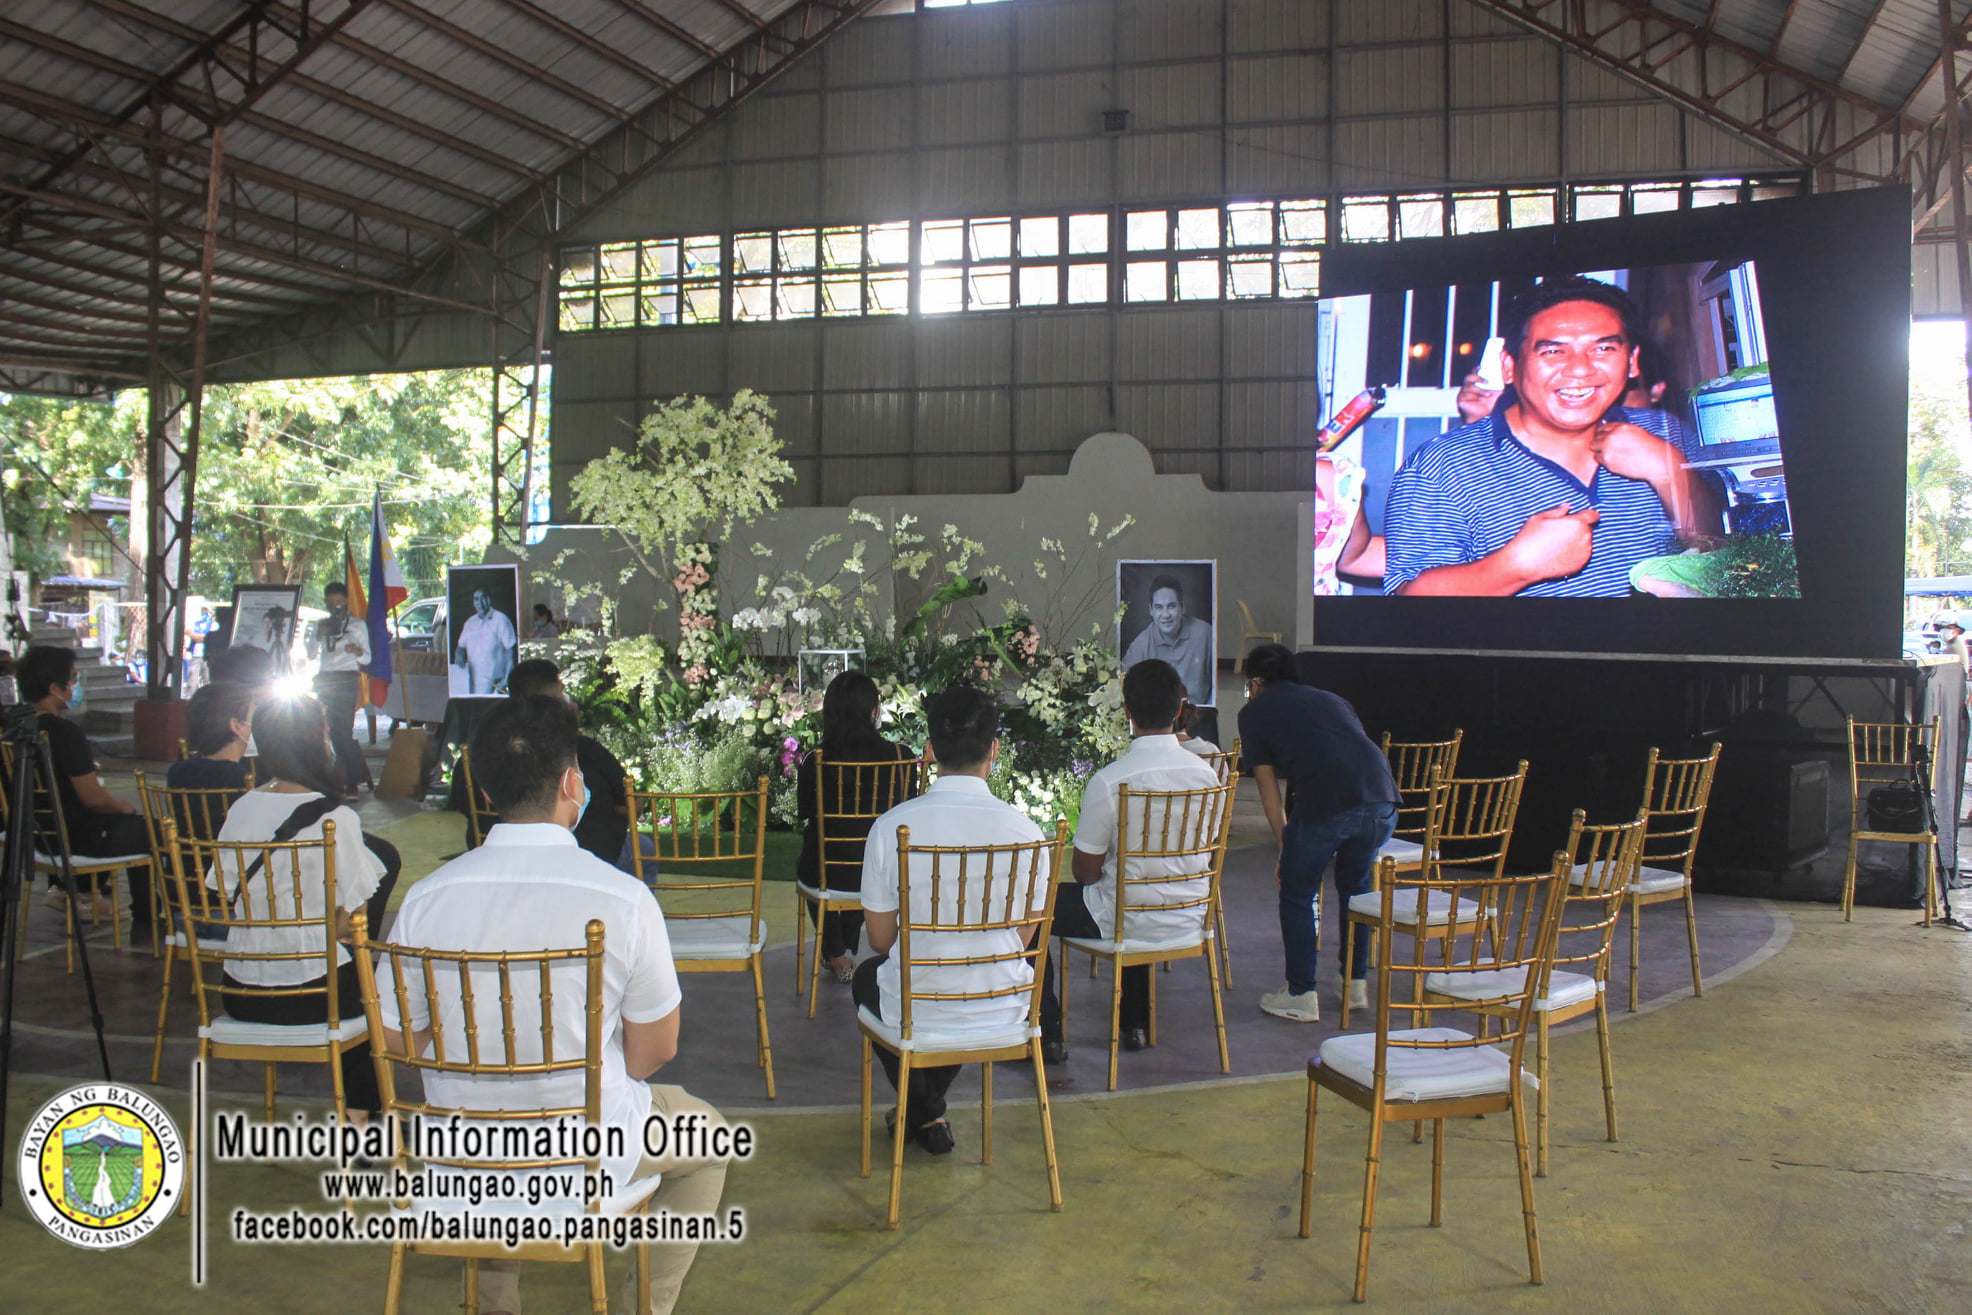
[{"x": 420, "y": 625}]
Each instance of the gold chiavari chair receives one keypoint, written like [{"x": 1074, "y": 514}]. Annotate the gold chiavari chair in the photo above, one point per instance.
[
  {"x": 480, "y": 817},
  {"x": 1412, "y": 764},
  {"x": 956, "y": 896},
  {"x": 52, "y": 855},
  {"x": 1598, "y": 867},
  {"x": 469, "y": 1002},
  {"x": 1402, "y": 1073},
  {"x": 1676, "y": 793},
  {"x": 1468, "y": 825},
  {"x": 1885, "y": 753},
  {"x": 1164, "y": 828},
  {"x": 712, "y": 917},
  {"x": 1226, "y": 764},
  {"x": 861, "y": 792},
  {"x": 197, "y": 813},
  {"x": 260, "y": 889}
]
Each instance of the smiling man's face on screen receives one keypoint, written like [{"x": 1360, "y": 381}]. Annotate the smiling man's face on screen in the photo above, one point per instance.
[{"x": 1575, "y": 363}]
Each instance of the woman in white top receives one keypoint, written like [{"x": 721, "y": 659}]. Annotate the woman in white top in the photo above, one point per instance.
[{"x": 297, "y": 764}]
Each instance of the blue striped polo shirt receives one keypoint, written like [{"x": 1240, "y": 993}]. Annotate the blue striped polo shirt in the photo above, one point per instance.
[{"x": 1464, "y": 495}]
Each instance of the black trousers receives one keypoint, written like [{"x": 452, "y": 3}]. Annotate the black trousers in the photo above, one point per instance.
[
  {"x": 379, "y": 901},
  {"x": 1072, "y": 918},
  {"x": 359, "y": 1075},
  {"x": 928, "y": 1085},
  {"x": 841, "y": 933},
  {"x": 109, "y": 835},
  {"x": 337, "y": 690}
]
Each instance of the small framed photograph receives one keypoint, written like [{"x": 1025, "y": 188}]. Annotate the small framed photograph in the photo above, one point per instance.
[
  {"x": 264, "y": 617},
  {"x": 1170, "y": 611},
  {"x": 482, "y": 641}
]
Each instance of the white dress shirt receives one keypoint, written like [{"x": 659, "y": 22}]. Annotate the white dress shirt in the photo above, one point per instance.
[
  {"x": 531, "y": 887},
  {"x": 257, "y": 815},
  {"x": 1152, "y": 762},
  {"x": 348, "y": 650},
  {"x": 488, "y": 644},
  {"x": 956, "y": 810}
]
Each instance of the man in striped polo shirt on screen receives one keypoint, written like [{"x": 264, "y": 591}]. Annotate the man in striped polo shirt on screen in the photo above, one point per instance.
[{"x": 1558, "y": 493}]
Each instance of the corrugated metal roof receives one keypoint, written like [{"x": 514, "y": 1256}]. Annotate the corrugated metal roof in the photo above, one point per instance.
[{"x": 402, "y": 125}]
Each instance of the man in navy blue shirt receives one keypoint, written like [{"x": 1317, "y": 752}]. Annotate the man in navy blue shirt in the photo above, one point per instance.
[
  {"x": 1558, "y": 493},
  {"x": 1345, "y": 807}
]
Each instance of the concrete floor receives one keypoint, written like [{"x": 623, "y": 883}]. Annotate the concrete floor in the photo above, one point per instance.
[{"x": 1798, "y": 1139}]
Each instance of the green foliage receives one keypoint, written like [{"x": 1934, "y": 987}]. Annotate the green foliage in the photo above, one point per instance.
[
  {"x": 1938, "y": 485},
  {"x": 54, "y": 453}
]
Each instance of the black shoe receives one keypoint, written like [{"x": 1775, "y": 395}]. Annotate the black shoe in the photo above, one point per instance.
[
  {"x": 1054, "y": 1052},
  {"x": 936, "y": 1138},
  {"x": 1136, "y": 1038}
]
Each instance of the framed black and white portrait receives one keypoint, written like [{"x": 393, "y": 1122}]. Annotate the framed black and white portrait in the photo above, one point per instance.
[
  {"x": 482, "y": 639},
  {"x": 264, "y": 617},
  {"x": 1170, "y": 611}
]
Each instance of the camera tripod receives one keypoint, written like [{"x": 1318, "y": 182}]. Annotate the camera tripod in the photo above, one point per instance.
[
  {"x": 1920, "y": 777},
  {"x": 20, "y": 730}
]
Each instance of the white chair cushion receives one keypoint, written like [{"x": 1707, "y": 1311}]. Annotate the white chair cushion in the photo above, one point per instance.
[
  {"x": 714, "y": 938},
  {"x": 832, "y": 896},
  {"x": 926, "y": 1040},
  {"x": 91, "y": 863},
  {"x": 1420, "y": 1074},
  {"x": 228, "y": 1031},
  {"x": 1564, "y": 989},
  {"x": 1437, "y": 906},
  {"x": 176, "y": 940},
  {"x": 1650, "y": 881},
  {"x": 1104, "y": 945},
  {"x": 1408, "y": 853}
]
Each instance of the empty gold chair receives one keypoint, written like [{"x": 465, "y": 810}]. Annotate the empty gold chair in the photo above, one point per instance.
[
  {"x": 1226, "y": 764},
  {"x": 1676, "y": 793},
  {"x": 1183, "y": 827},
  {"x": 477, "y": 992},
  {"x": 711, "y": 915},
  {"x": 197, "y": 813},
  {"x": 1412, "y": 764},
  {"x": 1405, "y": 1073},
  {"x": 962, "y": 891},
  {"x": 1468, "y": 825},
  {"x": 849, "y": 797},
  {"x": 1886, "y": 753},
  {"x": 1598, "y": 866}
]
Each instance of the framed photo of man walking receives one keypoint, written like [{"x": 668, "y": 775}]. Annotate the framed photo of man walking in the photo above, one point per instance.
[
  {"x": 1170, "y": 611},
  {"x": 482, "y": 641}
]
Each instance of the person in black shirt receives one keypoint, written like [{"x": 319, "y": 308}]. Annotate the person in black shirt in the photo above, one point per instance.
[
  {"x": 218, "y": 724},
  {"x": 605, "y": 821},
  {"x": 99, "y": 824},
  {"x": 1345, "y": 807},
  {"x": 851, "y": 709}
]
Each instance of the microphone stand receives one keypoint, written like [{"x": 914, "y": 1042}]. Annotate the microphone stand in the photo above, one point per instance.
[{"x": 1920, "y": 776}]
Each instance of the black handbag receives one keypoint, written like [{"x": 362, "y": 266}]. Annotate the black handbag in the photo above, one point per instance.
[{"x": 1896, "y": 807}]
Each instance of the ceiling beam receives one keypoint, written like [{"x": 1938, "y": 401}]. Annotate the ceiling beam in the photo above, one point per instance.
[
  {"x": 597, "y": 46},
  {"x": 481, "y": 46}
]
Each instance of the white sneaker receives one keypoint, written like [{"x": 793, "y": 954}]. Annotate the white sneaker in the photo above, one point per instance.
[
  {"x": 1303, "y": 1008},
  {"x": 1358, "y": 994}
]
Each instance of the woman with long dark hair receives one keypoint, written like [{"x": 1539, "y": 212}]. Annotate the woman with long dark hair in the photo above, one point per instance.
[
  {"x": 297, "y": 762},
  {"x": 851, "y": 711}
]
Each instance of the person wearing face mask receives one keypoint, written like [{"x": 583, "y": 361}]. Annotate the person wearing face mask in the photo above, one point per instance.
[
  {"x": 529, "y": 887},
  {"x": 300, "y": 791},
  {"x": 603, "y": 822},
  {"x": 341, "y": 645},
  {"x": 1560, "y": 491},
  {"x": 218, "y": 724}
]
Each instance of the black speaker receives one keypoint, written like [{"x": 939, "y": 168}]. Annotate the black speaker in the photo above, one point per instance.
[{"x": 1769, "y": 813}]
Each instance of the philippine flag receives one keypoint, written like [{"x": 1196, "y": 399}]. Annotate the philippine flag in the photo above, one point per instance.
[{"x": 386, "y": 591}]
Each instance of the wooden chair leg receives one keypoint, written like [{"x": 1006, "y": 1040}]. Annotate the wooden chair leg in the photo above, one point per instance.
[
  {"x": 800, "y": 940},
  {"x": 163, "y": 1009},
  {"x": 1608, "y": 1064},
  {"x": 1308, "y": 1161},
  {"x": 897, "y": 1141},
  {"x": 760, "y": 1024},
  {"x": 1691, "y": 935},
  {"x": 1849, "y": 877},
  {"x": 1540, "y": 1097},
  {"x": 1116, "y": 1015},
  {"x": 815, "y": 963},
  {"x": 868, "y": 1059},
  {"x": 472, "y": 1287},
  {"x": 1152, "y": 1034},
  {"x": 1526, "y": 1191},
  {"x": 643, "y": 1280},
  {"x": 270, "y": 1090},
  {"x": 986, "y": 1112},
  {"x": 1348, "y": 962},
  {"x": 1370, "y": 1160},
  {"x": 1218, "y": 1011},
  {"x": 1930, "y": 883},
  {"x": 598, "y": 1281},
  {"x": 1437, "y": 1173},
  {"x": 393, "y": 1286},
  {"x": 1636, "y": 946},
  {"x": 1047, "y": 1125},
  {"x": 1223, "y": 945}
]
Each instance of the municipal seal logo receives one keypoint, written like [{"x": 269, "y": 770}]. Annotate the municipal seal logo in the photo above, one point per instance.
[{"x": 102, "y": 1165}]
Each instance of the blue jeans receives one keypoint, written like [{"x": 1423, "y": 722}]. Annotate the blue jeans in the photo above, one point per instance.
[{"x": 1350, "y": 837}]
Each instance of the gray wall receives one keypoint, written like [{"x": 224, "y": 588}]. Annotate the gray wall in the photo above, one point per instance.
[{"x": 996, "y": 109}]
